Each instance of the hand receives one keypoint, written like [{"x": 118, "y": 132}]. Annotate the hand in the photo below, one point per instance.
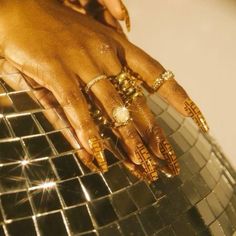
[{"x": 83, "y": 50}]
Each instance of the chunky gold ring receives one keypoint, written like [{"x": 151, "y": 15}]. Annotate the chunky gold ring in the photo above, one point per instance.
[
  {"x": 121, "y": 115},
  {"x": 127, "y": 86},
  {"x": 160, "y": 80},
  {"x": 94, "y": 81}
]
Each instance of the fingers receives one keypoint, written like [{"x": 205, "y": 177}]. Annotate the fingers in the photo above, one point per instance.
[
  {"x": 153, "y": 136},
  {"x": 109, "y": 100},
  {"x": 170, "y": 90}
]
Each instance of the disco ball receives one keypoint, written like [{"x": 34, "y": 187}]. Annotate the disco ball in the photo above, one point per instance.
[{"x": 46, "y": 190}]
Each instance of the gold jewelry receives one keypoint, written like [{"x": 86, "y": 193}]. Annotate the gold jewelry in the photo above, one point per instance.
[
  {"x": 160, "y": 80},
  {"x": 97, "y": 148},
  {"x": 93, "y": 81},
  {"x": 121, "y": 116},
  {"x": 127, "y": 86},
  {"x": 195, "y": 113}
]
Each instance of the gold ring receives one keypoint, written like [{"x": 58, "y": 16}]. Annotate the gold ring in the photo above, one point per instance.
[
  {"x": 160, "y": 80},
  {"x": 93, "y": 81},
  {"x": 121, "y": 116}
]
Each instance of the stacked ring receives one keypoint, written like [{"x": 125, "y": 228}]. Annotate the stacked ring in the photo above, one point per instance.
[{"x": 126, "y": 85}]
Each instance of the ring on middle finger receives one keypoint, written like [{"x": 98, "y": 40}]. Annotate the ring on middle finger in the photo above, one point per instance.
[{"x": 126, "y": 85}]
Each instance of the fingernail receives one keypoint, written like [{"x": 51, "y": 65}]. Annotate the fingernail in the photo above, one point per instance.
[
  {"x": 126, "y": 17},
  {"x": 96, "y": 146},
  {"x": 194, "y": 112},
  {"x": 170, "y": 157},
  {"x": 145, "y": 159}
]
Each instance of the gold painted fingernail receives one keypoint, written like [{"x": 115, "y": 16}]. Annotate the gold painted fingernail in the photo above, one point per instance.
[
  {"x": 146, "y": 161},
  {"x": 126, "y": 17},
  {"x": 194, "y": 112},
  {"x": 170, "y": 157},
  {"x": 96, "y": 146}
]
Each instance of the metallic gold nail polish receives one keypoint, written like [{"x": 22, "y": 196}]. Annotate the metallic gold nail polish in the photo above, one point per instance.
[
  {"x": 146, "y": 161},
  {"x": 126, "y": 17},
  {"x": 194, "y": 112},
  {"x": 97, "y": 148},
  {"x": 170, "y": 157}
]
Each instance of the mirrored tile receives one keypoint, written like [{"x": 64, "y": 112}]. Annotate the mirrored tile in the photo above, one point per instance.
[
  {"x": 95, "y": 186},
  {"x": 123, "y": 204},
  {"x": 6, "y": 105},
  {"x": 66, "y": 167},
  {"x": 200, "y": 185},
  {"x": 181, "y": 143},
  {"x": 221, "y": 196},
  {"x": 44, "y": 118},
  {"x": 116, "y": 178},
  {"x": 151, "y": 220},
  {"x": 195, "y": 220},
  {"x": 72, "y": 192},
  {"x": 214, "y": 167},
  {"x": 158, "y": 101},
  {"x": 226, "y": 187},
  {"x": 45, "y": 199},
  {"x": 214, "y": 204},
  {"x": 131, "y": 226},
  {"x": 168, "y": 123},
  {"x": 12, "y": 178},
  {"x": 38, "y": 147},
  {"x": 141, "y": 194},
  {"x": 216, "y": 229},
  {"x": 79, "y": 219},
  {"x": 231, "y": 213},
  {"x": 11, "y": 151},
  {"x": 38, "y": 172},
  {"x": 190, "y": 162},
  {"x": 197, "y": 156},
  {"x": 191, "y": 192},
  {"x": 23, "y": 125},
  {"x": 154, "y": 107},
  {"x": 205, "y": 211},
  {"x": 207, "y": 177},
  {"x": 4, "y": 130},
  {"x": 24, "y": 101},
  {"x": 188, "y": 136},
  {"x": 98, "y": 207},
  {"x": 22, "y": 227},
  {"x": 203, "y": 146},
  {"x": 109, "y": 230},
  {"x": 41, "y": 117},
  {"x": 16, "y": 205},
  {"x": 226, "y": 224},
  {"x": 51, "y": 224},
  {"x": 167, "y": 231},
  {"x": 179, "y": 200},
  {"x": 182, "y": 227},
  {"x": 59, "y": 141}
]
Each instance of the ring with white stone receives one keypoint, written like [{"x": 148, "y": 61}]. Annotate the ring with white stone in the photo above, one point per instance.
[
  {"x": 121, "y": 115},
  {"x": 93, "y": 81},
  {"x": 160, "y": 80}
]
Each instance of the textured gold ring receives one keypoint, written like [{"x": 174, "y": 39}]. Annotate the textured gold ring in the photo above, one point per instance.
[
  {"x": 160, "y": 80},
  {"x": 94, "y": 81}
]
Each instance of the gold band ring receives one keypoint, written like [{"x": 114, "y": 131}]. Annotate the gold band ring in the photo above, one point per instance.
[
  {"x": 160, "y": 80},
  {"x": 94, "y": 81}
]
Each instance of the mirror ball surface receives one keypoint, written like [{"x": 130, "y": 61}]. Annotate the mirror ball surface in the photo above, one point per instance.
[{"x": 46, "y": 190}]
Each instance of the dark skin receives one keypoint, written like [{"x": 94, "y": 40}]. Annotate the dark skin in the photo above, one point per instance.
[{"x": 62, "y": 50}]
